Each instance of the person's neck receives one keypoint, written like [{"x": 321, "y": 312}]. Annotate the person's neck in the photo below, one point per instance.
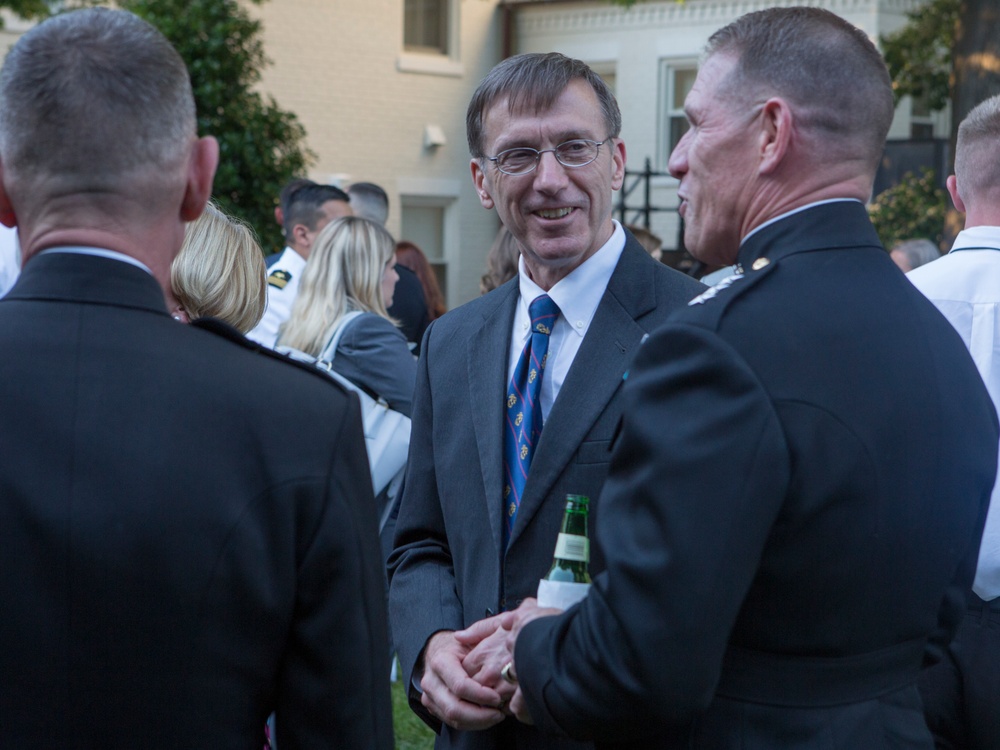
[
  {"x": 154, "y": 247},
  {"x": 985, "y": 216},
  {"x": 777, "y": 200}
]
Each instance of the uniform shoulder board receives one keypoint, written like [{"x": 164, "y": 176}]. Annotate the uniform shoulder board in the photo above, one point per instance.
[
  {"x": 279, "y": 278},
  {"x": 705, "y": 296}
]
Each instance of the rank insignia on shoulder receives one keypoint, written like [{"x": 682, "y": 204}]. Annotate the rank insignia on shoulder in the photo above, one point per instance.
[
  {"x": 705, "y": 296},
  {"x": 279, "y": 279}
]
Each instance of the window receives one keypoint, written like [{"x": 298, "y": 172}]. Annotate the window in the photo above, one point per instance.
[
  {"x": 426, "y": 26},
  {"x": 677, "y": 81},
  {"x": 430, "y": 38},
  {"x": 426, "y": 222}
]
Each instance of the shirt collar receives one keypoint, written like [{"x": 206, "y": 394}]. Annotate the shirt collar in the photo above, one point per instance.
[
  {"x": 291, "y": 260},
  {"x": 579, "y": 293},
  {"x": 977, "y": 237},
  {"x": 98, "y": 252}
]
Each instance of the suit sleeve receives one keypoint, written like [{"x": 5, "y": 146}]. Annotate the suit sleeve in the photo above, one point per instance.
[
  {"x": 697, "y": 478},
  {"x": 334, "y": 685},
  {"x": 423, "y": 596},
  {"x": 373, "y": 353}
]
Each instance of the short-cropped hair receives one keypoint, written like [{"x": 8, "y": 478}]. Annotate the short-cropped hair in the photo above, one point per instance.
[
  {"x": 220, "y": 271},
  {"x": 822, "y": 64},
  {"x": 305, "y": 205},
  {"x": 369, "y": 201},
  {"x": 91, "y": 96},
  {"x": 977, "y": 152},
  {"x": 532, "y": 83}
]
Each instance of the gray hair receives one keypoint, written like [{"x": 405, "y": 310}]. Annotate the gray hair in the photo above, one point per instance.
[
  {"x": 369, "y": 201},
  {"x": 977, "y": 166},
  {"x": 819, "y": 62},
  {"x": 917, "y": 252},
  {"x": 92, "y": 96},
  {"x": 532, "y": 83}
]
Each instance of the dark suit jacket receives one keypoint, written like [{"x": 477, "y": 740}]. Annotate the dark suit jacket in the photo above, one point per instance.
[
  {"x": 445, "y": 568},
  {"x": 187, "y": 532},
  {"x": 794, "y": 509},
  {"x": 409, "y": 306}
]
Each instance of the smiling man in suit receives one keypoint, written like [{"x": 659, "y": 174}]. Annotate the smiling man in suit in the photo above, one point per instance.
[
  {"x": 518, "y": 392},
  {"x": 179, "y": 561}
]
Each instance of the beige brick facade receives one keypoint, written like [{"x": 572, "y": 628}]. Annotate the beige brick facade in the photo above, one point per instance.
[{"x": 366, "y": 106}]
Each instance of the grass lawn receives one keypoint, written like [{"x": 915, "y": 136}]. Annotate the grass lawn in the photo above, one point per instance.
[{"x": 411, "y": 732}]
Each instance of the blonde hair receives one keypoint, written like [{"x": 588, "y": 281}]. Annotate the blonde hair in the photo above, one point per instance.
[
  {"x": 344, "y": 273},
  {"x": 220, "y": 271}
]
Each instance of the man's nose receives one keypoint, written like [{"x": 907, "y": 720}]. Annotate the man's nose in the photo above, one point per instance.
[{"x": 549, "y": 172}]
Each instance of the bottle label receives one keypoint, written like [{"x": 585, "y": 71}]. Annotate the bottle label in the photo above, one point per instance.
[{"x": 572, "y": 547}]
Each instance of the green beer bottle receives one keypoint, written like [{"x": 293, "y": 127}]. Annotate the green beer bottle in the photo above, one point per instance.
[{"x": 573, "y": 545}]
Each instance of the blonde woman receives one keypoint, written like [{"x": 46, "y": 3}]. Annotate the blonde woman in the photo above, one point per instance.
[
  {"x": 351, "y": 268},
  {"x": 219, "y": 272}
]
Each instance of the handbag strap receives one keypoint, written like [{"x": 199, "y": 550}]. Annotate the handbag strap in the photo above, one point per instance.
[{"x": 325, "y": 358}]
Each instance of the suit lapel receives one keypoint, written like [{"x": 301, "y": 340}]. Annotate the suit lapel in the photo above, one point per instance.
[
  {"x": 595, "y": 375},
  {"x": 487, "y": 371}
]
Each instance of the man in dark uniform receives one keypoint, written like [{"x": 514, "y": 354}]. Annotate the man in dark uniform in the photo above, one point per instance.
[
  {"x": 800, "y": 481},
  {"x": 180, "y": 557}
]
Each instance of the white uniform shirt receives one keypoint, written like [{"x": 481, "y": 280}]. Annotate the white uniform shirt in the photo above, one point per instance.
[
  {"x": 577, "y": 295},
  {"x": 965, "y": 286},
  {"x": 282, "y": 287}
]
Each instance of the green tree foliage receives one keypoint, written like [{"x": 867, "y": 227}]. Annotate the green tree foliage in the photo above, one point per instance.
[
  {"x": 261, "y": 146},
  {"x": 912, "y": 209},
  {"x": 919, "y": 54},
  {"x": 30, "y": 9}
]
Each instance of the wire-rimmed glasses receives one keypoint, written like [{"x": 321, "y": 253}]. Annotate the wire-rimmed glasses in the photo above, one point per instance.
[{"x": 578, "y": 152}]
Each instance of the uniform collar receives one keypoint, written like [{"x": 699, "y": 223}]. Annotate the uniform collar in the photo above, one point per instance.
[{"x": 821, "y": 225}]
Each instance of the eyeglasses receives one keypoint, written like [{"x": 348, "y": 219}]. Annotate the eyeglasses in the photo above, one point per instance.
[{"x": 576, "y": 153}]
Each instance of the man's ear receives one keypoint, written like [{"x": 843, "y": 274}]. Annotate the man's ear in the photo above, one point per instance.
[
  {"x": 951, "y": 183},
  {"x": 7, "y": 217},
  {"x": 617, "y": 147},
  {"x": 202, "y": 164},
  {"x": 479, "y": 181},
  {"x": 300, "y": 236},
  {"x": 775, "y": 134}
]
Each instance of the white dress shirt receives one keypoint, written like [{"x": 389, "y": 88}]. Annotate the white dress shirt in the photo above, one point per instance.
[
  {"x": 98, "y": 252},
  {"x": 282, "y": 287},
  {"x": 965, "y": 286},
  {"x": 577, "y": 295},
  {"x": 10, "y": 259}
]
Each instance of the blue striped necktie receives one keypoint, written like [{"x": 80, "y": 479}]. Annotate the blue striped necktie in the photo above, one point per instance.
[{"x": 523, "y": 409}]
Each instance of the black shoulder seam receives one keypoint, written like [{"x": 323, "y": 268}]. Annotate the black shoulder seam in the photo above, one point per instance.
[{"x": 224, "y": 330}]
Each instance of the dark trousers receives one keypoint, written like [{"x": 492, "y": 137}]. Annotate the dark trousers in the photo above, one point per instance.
[{"x": 962, "y": 692}]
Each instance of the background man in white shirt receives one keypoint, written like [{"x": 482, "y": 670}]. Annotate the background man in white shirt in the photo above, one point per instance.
[{"x": 961, "y": 693}]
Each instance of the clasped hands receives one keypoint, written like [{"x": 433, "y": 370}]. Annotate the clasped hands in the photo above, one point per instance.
[{"x": 463, "y": 684}]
